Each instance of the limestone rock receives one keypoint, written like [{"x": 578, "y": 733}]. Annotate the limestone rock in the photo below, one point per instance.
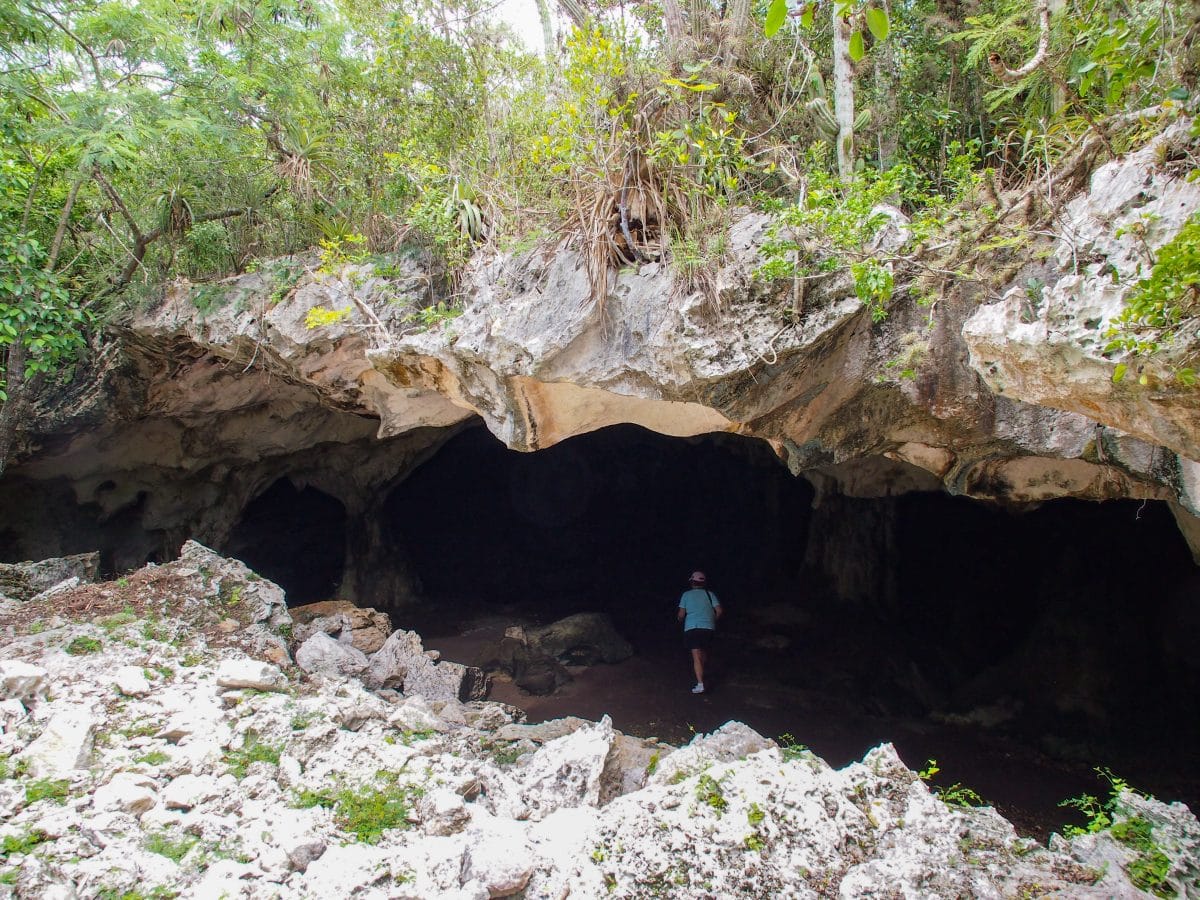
[
  {"x": 401, "y": 663},
  {"x": 362, "y": 628},
  {"x": 499, "y": 858},
  {"x": 25, "y": 580},
  {"x": 321, "y": 653},
  {"x": 127, "y": 791},
  {"x": 63, "y": 747},
  {"x": 1048, "y": 348},
  {"x": 731, "y": 741},
  {"x": 131, "y": 681},
  {"x": 67, "y": 584},
  {"x": 583, "y": 639},
  {"x": 567, "y": 770},
  {"x": 443, "y": 812},
  {"x": 250, "y": 673},
  {"x": 22, "y": 681},
  {"x": 12, "y": 714},
  {"x": 188, "y": 791}
]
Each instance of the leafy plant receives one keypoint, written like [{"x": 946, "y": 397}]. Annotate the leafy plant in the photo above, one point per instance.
[
  {"x": 1164, "y": 305},
  {"x": 253, "y": 750},
  {"x": 83, "y": 645},
  {"x": 47, "y": 789},
  {"x": 174, "y": 849},
  {"x": 22, "y": 843},
  {"x": 319, "y": 316},
  {"x": 367, "y": 811},
  {"x": 709, "y": 792}
]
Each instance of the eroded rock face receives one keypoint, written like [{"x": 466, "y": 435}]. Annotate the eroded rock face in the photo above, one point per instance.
[{"x": 195, "y": 414}]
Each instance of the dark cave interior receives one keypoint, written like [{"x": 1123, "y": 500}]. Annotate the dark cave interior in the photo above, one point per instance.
[{"x": 1075, "y": 616}]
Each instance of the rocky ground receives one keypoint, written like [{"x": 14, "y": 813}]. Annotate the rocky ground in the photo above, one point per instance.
[{"x": 159, "y": 741}]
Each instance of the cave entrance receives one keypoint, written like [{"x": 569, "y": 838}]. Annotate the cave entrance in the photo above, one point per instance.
[
  {"x": 1019, "y": 647},
  {"x": 612, "y": 521},
  {"x": 295, "y": 537}
]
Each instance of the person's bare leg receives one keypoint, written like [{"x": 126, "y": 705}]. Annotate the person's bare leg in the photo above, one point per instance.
[{"x": 698, "y": 665}]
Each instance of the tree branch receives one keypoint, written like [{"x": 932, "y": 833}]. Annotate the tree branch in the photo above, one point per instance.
[{"x": 1004, "y": 73}]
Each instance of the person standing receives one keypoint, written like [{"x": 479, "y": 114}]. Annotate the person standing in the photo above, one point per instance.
[{"x": 699, "y": 610}]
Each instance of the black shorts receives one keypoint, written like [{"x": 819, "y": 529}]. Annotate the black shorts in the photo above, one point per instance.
[{"x": 698, "y": 638}]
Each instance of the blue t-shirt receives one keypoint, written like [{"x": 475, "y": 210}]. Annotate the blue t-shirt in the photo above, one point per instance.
[{"x": 700, "y": 613}]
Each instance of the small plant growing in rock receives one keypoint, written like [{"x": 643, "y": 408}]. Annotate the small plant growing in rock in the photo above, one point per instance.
[
  {"x": 1150, "y": 866},
  {"x": 755, "y": 814},
  {"x": 46, "y": 789},
  {"x": 118, "y": 620},
  {"x": 301, "y": 720},
  {"x": 253, "y": 750},
  {"x": 708, "y": 792},
  {"x": 791, "y": 749},
  {"x": 81, "y": 646},
  {"x": 368, "y": 810},
  {"x": 10, "y": 876},
  {"x": 652, "y": 766},
  {"x": 164, "y": 845},
  {"x": 14, "y": 844},
  {"x": 154, "y": 758},
  {"x": 754, "y": 842}
]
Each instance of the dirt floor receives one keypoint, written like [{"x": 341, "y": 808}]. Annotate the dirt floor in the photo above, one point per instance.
[{"x": 649, "y": 695}]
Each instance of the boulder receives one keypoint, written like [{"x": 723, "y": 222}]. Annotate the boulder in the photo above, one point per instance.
[
  {"x": 131, "y": 681},
  {"x": 363, "y": 628},
  {"x": 25, "y": 580},
  {"x": 443, "y": 812},
  {"x": 567, "y": 771},
  {"x": 22, "y": 681},
  {"x": 583, "y": 639},
  {"x": 532, "y": 669},
  {"x": 64, "y": 747},
  {"x": 12, "y": 714},
  {"x": 321, "y": 653},
  {"x": 402, "y": 663},
  {"x": 128, "y": 792},
  {"x": 731, "y": 741},
  {"x": 189, "y": 791},
  {"x": 250, "y": 673},
  {"x": 499, "y": 858}
]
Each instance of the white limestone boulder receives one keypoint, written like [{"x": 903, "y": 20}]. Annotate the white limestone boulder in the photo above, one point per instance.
[
  {"x": 250, "y": 673},
  {"x": 322, "y": 654},
  {"x": 64, "y": 747}
]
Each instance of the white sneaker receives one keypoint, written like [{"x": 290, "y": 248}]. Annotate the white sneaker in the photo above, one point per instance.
[{"x": 698, "y": 689}]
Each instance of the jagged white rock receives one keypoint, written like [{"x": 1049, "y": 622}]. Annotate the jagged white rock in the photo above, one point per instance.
[{"x": 321, "y": 653}]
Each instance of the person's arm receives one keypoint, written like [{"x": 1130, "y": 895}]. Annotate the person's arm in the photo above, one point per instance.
[
  {"x": 718, "y": 609},
  {"x": 680, "y": 615}
]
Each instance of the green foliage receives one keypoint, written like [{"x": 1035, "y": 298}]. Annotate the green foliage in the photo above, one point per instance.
[
  {"x": 755, "y": 815},
  {"x": 47, "y": 789},
  {"x": 368, "y": 810},
  {"x": 710, "y": 793},
  {"x": 35, "y": 308},
  {"x": 319, "y": 316},
  {"x": 173, "y": 848},
  {"x": 153, "y": 758},
  {"x": 82, "y": 645},
  {"x": 1150, "y": 867},
  {"x": 433, "y": 316},
  {"x": 1164, "y": 305},
  {"x": 253, "y": 750},
  {"x": 792, "y": 749},
  {"x": 954, "y": 795},
  {"x": 22, "y": 843}
]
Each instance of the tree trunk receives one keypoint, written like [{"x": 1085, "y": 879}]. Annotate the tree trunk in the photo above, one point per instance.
[
  {"x": 14, "y": 408},
  {"x": 674, "y": 25},
  {"x": 843, "y": 94},
  {"x": 887, "y": 87},
  {"x": 739, "y": 28},
  {"x": 543, "y": 7}
]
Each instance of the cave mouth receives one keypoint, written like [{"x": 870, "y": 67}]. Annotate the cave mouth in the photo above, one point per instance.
[
  {"x": 294, "y": 536},
  {"x": 1060, "y": 635}
]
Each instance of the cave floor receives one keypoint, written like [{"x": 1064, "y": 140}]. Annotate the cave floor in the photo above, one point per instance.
[{"x": 649, "y": 695}]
